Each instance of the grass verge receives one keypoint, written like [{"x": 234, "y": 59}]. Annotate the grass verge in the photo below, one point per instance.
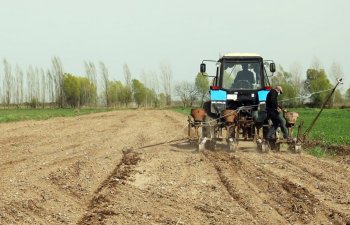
[
  {"x": 182, "y": 110},
  {"x": 12, "y": 115}
]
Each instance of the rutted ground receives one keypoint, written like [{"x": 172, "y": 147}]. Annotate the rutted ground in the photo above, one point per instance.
[{"x": 92, "y": 170}]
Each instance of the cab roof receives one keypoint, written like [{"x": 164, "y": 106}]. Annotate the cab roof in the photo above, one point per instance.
[{"x": 241, "y": 55}]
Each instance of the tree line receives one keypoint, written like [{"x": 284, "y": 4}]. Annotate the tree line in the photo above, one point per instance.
[
  {"x": 312, "y": 88},
  {"x": 53, "y": 87}
]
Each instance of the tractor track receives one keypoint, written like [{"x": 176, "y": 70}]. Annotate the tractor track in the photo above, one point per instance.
[
  {"x": 299, "y": 201},
  {"x": 334, "y": 199},
  {"x": 97, "y": 211},
  {"x": 316, "y": 180},
  {"x": 231, "y": 169},
  {"x": 297, "y": 205},
  {"x": 232, "y": 185}
]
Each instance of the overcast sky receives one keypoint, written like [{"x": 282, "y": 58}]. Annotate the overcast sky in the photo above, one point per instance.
[{"x": 182, "y": 33}]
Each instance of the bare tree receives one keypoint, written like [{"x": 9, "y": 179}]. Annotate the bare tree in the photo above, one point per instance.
[
  {"x": 296, "y": 71},
  {"x": 144, "y": 80},
  {"x": 105, "y": 83},
  {"x": 125, "y": 94},
  {"x": 50, "y": 87},
  {"x": 19, "y": 85},
  {"x": 187, "y": 93},
  {"x": 57, "y": 73},
  {"x": 43, "y": 88},
  {"x": 202, "y": 85},
  {"x": 127, "y": 75},
  {"x": 30, "y": 83},
  {"x": 336, "y": 71},
  {"x": 8, "y": 81},
  {"x": 25, "y": 87},
  {"x": 316, "y": 64},
  {"x": 154, "y": 82},
  {"x": 37, "y": 85},
  {"x": 91, "y": 74},
  {"x": 33, "y": 86},
  {"x": 166, "y": 76}
]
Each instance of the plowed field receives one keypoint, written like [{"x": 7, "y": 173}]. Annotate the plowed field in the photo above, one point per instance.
[{"x": 93, "y": 169}]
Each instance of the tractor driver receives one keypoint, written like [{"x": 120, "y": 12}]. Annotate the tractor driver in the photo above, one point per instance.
[
  {"x": 273, "y": 113},
  {"x": 244, "y": 78},
  {"x": 256, "y": 69}
]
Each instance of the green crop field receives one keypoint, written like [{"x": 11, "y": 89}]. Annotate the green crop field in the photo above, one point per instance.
[
  {"x": 332, "y": 127},
  {"x": 10, "y": 115}
]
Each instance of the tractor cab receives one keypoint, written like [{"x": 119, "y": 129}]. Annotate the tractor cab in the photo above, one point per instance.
[{"x": 240, "y": 80}]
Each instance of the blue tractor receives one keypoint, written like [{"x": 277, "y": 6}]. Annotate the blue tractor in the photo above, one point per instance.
[{"x": 236, "y": 109}]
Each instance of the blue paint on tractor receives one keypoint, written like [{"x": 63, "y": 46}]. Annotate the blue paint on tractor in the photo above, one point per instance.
[
  {"x": 262, "y": 95},
  {"x": 218, "y": 95}
]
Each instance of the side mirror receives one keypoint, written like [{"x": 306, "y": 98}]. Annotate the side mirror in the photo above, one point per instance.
[
  {"x": 272, "y": 67},
  {"x": 203, "y": 68}
]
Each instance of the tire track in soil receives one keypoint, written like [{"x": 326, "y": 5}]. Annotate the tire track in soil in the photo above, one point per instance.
[
  {"x": 237, "y": 188},
  {"x": 310, "y": 167},
  {"x": 292, "y": 199},
  {"x": 331, "y": 197},
  {"x": 293, "y": 203},
  {"x": 97, "y": 211},
  {"x": 28, "y": 211}
]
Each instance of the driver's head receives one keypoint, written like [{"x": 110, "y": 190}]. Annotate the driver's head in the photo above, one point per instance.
[{"x": 245, "y": 66}]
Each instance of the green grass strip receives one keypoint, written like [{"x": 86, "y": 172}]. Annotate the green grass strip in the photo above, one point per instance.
[{"x": 12, "y": 115}]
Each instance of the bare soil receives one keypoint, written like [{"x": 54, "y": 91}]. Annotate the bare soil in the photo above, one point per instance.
[{"x": 107, "y": 168}]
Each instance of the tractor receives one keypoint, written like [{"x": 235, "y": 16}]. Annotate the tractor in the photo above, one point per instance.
[{"x": 236, "y": 110}]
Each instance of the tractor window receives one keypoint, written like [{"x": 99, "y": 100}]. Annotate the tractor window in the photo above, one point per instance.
[{"x": 241, "y": 75}]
